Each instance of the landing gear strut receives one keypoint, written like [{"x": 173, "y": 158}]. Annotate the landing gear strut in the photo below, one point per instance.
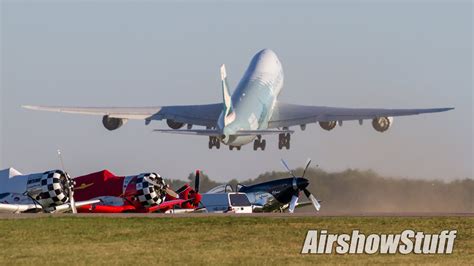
[
  {"x": 214, "y": 142},
  {"x": 259, "y": 143},
  {"x": 284, "y": 141}
]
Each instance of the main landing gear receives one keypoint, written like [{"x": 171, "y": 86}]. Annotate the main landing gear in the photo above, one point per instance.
[
  {"x": 214, "y": 142},
  {"x": 284, "y": 141},
  {"x": 259, "y": 143}
]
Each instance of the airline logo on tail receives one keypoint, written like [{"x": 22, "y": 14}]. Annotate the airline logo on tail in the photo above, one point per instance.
[{"x": 229, "y": 115}]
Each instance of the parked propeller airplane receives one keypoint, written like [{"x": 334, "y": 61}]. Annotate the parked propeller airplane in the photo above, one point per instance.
[
  {"x": 246, "y": 115},
  {"x": 276, "y": 195},
  {"x": 138, "y": 193},
  {"x": 50, "y": 191}
]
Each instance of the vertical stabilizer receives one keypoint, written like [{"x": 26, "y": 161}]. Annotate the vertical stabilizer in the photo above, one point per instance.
[{"x": 227, "y": 100}]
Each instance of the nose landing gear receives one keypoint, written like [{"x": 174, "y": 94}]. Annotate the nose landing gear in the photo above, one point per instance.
[
  {"x": 259, "y": 143},
  {"x": 232, "y": 147}
]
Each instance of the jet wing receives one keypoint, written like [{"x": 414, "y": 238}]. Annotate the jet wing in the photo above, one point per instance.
[
  {"x": 285, "y": 115},
  {"x": 203, "y": 115}
]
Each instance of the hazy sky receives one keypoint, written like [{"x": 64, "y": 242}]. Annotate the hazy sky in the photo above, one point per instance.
[{"x": 394, "y": 55}]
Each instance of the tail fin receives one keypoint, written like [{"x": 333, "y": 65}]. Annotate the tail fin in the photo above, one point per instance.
[{"x": 228, "y": 110}]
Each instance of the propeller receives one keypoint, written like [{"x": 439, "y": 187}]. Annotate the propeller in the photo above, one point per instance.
[
  {"x": 295, "y": 197},
  {"x": 196, "y": 181},
  {"x": 171, "y": 192},
  {"x": 168, "y": 190},
  {"x": 310, "y": 196},
  {"x": 70, "y": 188},
  {"x": 293, "y": 202},
  {"x": 69, "y": 184},
  {"x": 287, "y": 168}
]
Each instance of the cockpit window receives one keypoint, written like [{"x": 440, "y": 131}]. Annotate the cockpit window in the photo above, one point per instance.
[{"x": 239, "y": 200}]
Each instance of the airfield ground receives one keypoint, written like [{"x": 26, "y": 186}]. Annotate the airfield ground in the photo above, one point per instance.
[{"x": 65, "y": 239}]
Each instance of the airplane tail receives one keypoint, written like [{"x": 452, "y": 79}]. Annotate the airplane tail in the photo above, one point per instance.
[{"x": 229, "y": 115}]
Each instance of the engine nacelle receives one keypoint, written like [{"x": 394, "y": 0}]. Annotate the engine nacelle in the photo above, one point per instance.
[
  {"x": 382, "y": 124},
  {"x": 327, "y": 125},
  {"x": 173, "y": 124},
  {"x": 112, "y": 123},
  {"x": 49, "y": 188}
]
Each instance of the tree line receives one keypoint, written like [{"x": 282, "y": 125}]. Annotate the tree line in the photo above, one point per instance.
[{"x": 355, "y": 190}]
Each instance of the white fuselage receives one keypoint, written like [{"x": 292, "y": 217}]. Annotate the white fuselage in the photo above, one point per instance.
[{"x": 254, "y": 97}]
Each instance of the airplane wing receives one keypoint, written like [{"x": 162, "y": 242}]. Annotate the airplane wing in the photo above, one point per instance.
[
  {"x": 167, "y": 204},
  {"x": 202, "y": 115},
  {"x": 18, "y": 208},
  {"x": 67, "y": 206},
  {"x": 285, "y": 115},
  {"x": 99, "y": 208}
]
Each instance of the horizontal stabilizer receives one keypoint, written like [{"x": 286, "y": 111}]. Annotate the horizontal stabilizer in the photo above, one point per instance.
[
  {"x": 216, "y": 133},
  {"x": 263, "y": 132},
  {"x": 197, "y": 132}
]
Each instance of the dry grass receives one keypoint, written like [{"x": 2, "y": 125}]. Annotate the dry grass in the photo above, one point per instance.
[{"x": 204, "y": 240}]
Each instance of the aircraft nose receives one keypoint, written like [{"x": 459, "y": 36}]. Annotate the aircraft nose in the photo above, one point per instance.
[
  {"x": 267, "y": 53},
  {"x": 302, "y": 183}
]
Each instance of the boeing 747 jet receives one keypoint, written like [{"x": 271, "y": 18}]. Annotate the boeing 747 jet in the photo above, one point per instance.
[{"x": 249, "y": 113}]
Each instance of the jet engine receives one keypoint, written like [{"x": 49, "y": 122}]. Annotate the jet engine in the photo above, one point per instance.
[
  {"x": 112, "y": 123},
  {"x": 173, "y": 124},
  {"x": 327, "y": 125},
  {"x": 145, "y": 190},
  {"x": 50, "y": 188},
  {"x": 382, "y": 124}
]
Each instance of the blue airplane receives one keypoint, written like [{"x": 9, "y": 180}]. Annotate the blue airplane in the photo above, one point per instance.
[{"x": 252, "y": 111}]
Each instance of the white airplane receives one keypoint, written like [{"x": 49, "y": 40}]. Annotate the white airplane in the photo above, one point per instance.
[
  {"x": 246, "y": 115},
  {"x": 51, "y": 192}
]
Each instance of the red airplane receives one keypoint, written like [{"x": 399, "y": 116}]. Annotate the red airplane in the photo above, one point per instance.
[{"x": 143, "y": 193}]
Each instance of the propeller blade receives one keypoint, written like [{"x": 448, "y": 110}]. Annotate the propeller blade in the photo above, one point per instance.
[
  {"x": 70, "y": 185},
  {"x": 287, "y": 168},
  {"x": 73, "y": 202},
  {"x": 293, "y": 202},
  {"x": 310, "y": 196},
  {"x": 167, "y": 189},
  {"x": 171, "y": 193},
  {"x": 196, "y": 181},
  {"x": 308, "y": 162},
  {"x": 151, "y": 181}
]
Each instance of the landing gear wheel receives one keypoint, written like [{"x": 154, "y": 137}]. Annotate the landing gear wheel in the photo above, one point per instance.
[
  {"x": 284, "y": 141},
  {"x": 236, "y": 147},
  {"x": 214, "y": 142},
  {"x": 288, "y": 137},
  {"x": 259, "y": 143}
]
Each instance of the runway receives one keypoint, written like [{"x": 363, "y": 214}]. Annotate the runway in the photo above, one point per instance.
[{"x": 269, "y": 215}]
